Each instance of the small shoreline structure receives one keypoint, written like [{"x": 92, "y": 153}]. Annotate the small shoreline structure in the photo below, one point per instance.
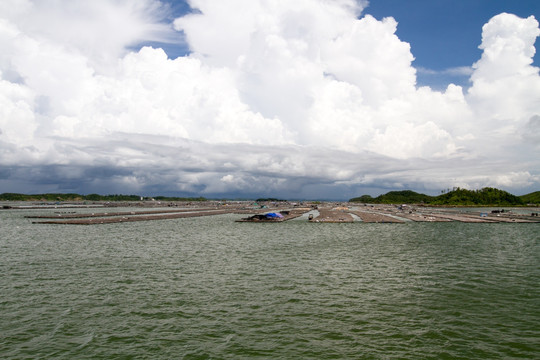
[{"x": 271, "y": 212}]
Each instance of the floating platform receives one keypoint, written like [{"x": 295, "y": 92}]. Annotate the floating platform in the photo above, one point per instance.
[
  {"x": 134, "y": 216},
  {"x": 324, "y": 213}
]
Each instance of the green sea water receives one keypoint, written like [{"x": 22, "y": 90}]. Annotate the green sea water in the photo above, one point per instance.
[{"x": 210, "y": 288}]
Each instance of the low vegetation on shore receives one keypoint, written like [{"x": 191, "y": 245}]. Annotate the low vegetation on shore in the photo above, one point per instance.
[
  {"x": 91, "y": 197},
  {"x": 457, "y": 196}
]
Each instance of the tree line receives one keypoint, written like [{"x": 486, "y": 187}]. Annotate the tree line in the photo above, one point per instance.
[{"x": 53, "y": 197}]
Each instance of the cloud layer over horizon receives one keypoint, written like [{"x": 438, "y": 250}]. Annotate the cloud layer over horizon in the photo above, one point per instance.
[{"x": 306, "y": 99}]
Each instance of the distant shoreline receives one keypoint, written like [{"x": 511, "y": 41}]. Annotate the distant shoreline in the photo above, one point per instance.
[{"x": 457, "y": 197}]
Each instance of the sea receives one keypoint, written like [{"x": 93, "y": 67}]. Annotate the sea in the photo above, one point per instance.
[{"x": 212, "y": 288}]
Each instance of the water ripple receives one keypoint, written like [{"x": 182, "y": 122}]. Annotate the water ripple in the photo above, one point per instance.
[{"x": 210, "y": 288}]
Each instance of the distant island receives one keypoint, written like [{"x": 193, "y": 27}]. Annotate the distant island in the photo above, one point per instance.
[{"x": 457, "y": 197}]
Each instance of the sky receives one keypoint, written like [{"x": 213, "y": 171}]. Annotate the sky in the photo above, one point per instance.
[{"x": 311, "y": 99}]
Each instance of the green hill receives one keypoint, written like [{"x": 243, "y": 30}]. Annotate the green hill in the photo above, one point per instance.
[
  {"x": 395, "y": 197},
  {"x": 532, "y": 198},
  {"x": 364, "y": 199},
  {"x": 483, "y": 197}
]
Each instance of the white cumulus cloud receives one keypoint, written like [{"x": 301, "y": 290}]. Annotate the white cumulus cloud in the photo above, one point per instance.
[{"x": 304, "y": 98}]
